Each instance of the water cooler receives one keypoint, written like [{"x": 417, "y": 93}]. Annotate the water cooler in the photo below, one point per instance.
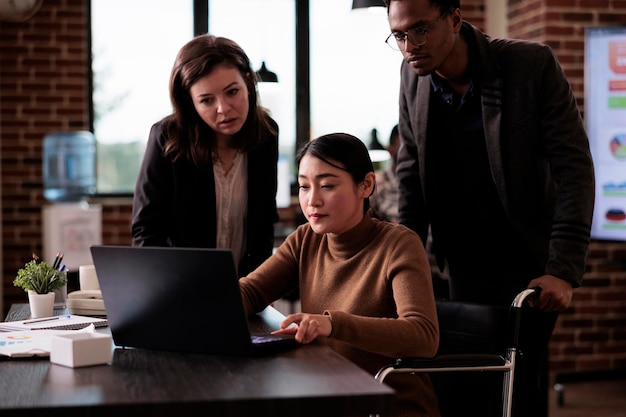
[{"x": 70, "y": 224}]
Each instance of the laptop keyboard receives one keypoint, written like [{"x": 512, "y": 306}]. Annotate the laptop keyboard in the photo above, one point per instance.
[{"x": 269, "y": 338}]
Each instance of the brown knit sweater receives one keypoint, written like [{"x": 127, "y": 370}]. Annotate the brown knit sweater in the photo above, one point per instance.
[{"x": 375, "y": 282}]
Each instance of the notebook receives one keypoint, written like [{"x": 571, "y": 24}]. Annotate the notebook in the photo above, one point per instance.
[
  {"x": 181, "y": 299},
  {"x": 62, "y": 322}
]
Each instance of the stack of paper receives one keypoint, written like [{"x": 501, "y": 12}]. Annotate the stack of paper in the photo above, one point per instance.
[{"x": 28, "y": 343}]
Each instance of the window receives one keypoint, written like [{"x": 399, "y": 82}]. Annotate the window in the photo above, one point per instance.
[
  {"x": 270, "y": 40},
  {"x": 134, "y": 44},
  {"x": 354, "y": 75}
]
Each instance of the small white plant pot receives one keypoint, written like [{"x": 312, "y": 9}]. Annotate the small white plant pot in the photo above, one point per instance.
[{"x": 41, "y": 305}]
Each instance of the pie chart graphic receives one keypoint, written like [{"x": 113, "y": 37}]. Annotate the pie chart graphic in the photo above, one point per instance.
[
  {"x": 618, "y": 146},
  {"x": 615, "y": 215}
]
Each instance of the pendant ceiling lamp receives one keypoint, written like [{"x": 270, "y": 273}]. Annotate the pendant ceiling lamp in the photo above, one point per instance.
[
  {"x": 266, "y": 76},
  {"x": 374, "y": 142},
  {"x": 361, "y": 4}
]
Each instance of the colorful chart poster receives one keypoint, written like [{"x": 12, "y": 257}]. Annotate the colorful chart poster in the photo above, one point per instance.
[{"x": 605, "y": 118}]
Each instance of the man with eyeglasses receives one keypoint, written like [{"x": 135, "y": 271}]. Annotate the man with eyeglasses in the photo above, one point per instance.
[{"x": 494, "y": 159}]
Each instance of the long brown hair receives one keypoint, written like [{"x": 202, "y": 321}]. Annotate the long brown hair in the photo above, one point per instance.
[{"x": 188, "y": 135}]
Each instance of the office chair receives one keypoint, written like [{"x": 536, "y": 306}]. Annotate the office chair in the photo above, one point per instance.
[{"x": 473, "y": 337}]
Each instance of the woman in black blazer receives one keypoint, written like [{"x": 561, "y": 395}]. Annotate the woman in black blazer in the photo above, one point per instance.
[{"x": 209, "y": 173}]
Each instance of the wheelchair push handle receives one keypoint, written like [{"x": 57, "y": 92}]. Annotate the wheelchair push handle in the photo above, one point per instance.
[
  {"x": 516, "y": 310},
  {"x": 523, "y": 296}
]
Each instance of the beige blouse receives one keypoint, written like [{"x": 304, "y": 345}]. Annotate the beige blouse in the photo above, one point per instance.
[{"x": 231, "y": 194}]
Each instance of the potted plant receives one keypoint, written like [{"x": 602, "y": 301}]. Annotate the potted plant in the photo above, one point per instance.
[{"x": 40, "y": 280}]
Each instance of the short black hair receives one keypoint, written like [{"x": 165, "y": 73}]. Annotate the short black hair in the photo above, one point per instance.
[{"x": 445, "y": 6}]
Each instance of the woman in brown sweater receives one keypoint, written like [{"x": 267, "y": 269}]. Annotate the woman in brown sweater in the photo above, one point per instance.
[{"x": 365, "y": 285}]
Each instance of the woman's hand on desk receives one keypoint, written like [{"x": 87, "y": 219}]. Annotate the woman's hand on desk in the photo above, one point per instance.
[{"x": 307, "y": 326}]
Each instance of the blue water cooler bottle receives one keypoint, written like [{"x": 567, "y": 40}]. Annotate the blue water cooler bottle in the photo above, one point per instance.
[{"x": 69, "y": 166}]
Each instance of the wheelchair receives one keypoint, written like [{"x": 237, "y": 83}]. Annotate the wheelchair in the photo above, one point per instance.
[{"x": 473, "y": 338}]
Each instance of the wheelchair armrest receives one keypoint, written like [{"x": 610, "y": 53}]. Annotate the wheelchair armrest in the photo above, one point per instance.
[
  {"x": 451, "y": 361},
  {"x": 446, "y": 363}
]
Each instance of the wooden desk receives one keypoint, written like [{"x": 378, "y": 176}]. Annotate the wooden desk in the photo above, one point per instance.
[{"x": 311, "y": 380}]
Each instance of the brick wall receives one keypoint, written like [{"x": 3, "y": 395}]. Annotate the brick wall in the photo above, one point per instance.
[
  {"x": 591, "y": 335},
  {"x": 43, "y": 88},
  {"x": 474, "y": 11}
]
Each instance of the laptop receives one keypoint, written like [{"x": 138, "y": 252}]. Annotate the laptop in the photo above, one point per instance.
[{"x": 181, "y": 300}]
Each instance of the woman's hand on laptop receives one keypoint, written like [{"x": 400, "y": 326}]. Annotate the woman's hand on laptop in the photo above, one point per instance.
[{"x": 306, "y": 327}]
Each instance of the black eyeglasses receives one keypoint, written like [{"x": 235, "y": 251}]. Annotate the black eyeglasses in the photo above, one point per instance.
[{"x": 417, "y": 36}]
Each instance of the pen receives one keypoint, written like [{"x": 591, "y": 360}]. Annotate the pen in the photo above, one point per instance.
[
  {"x": 46, "y": 319},
  {"x": 57, "y": 260}
]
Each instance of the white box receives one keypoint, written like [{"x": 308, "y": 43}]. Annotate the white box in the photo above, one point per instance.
[{"x": 81, "y": 349}]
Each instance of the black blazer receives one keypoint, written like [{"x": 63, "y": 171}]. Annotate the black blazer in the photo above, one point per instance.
[
  {"x": 536, "y": 144},
  {"x": 174, "y": 203}
]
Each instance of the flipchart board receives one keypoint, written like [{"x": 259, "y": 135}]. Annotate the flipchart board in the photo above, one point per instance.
[{"x": 71, "y": 229}]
